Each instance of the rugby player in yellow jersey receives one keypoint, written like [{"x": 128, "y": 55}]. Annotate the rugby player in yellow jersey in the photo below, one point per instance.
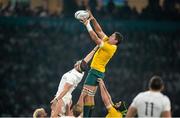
[
  {"x": 107, "y": 48},
  {"x": 112, "y": 112}
]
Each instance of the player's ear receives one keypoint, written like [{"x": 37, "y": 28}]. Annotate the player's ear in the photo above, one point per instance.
[{"x": 162, "y": 88}]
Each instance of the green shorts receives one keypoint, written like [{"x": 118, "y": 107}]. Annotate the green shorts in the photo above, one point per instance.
[{"x": 92, "y": 77}]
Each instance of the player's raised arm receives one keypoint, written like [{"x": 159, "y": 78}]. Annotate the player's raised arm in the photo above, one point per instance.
[
  {"x": 105, "y": 94},
  {"x": 96, "y": 26},
  {"x": 93, "y": 35},
  {"x": 66, "y": 88},
  {"x": 90, "y": 55}
]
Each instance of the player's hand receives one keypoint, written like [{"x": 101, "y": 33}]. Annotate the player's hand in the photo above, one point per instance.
[
  {"x": 100, "y": 81},
  {"x": 85, "y": 21},
  {"x": 53, "y": 104},
  {"x": 90, "y": 15},
  {"x": 54, "y": 101}
]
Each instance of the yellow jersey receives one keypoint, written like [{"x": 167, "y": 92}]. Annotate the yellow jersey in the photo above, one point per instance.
[
  {"x": 103, "y": 55},
  {"x": 113, "y": 113}
]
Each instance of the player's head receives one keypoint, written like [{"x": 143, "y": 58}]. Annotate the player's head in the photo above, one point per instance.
[
  {"x": 39, "y": 113},
  {"x": 156, "y": 83},
  {"x": 77, "y": 110},
  {"x": 121, "y": 107},
  {"x": 80, "y": 66},
  {"x": 115, "y": 38}
]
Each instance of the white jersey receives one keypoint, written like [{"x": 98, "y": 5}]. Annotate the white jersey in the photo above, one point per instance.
[
  {"x": 151, "y": 104},
  {"x": 72, "y": 77}
]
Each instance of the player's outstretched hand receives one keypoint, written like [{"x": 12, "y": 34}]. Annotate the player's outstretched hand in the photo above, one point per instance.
[
  {"x": 90, "y": 15},
  {"x": 100, "y": 81},
  {"x": 85, "y": 21},
  {"x": 54, "y": 101}
]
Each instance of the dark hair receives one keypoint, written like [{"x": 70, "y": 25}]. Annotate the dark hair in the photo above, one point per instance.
[
  {"x": 119, "y": 37},
  {"x": 77, "y": 110},
  {"x": 83, "y": 66},
  {"x": 156, "y": 83},
  {"x": 122, "y": 108}
]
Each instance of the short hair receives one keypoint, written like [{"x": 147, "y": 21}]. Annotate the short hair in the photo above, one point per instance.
[
  {"x": 119, "y": 37},
  {"x": 81, "y": 65},
  {"x": 156, "y": 83},
  {"x": 39, "y": 113},
  {"x": 122, "y": 108},
  {"x": 77, "y": 110}
]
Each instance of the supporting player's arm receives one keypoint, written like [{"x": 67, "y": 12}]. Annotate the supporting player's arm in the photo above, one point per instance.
[
  {"x": 105, "y": 94},
  {"x": 96, "y": 26},
  {"x": 66, "y": 88},
  {"x": 132, "y": 111},
  {"x": 90, "y": 55}
]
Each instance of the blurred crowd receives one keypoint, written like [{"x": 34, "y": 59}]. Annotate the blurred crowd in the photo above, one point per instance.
[
  {"x": 116, "y": 9},
  {"x": 33, "y": 59}
]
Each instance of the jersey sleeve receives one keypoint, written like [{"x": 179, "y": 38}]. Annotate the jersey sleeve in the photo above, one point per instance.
[
  {"x": 135, "y": 100},
  {"x": 112, "y": 110},
  {"x": 105, "y": 38},
  {"x": 167, "y": 104}
]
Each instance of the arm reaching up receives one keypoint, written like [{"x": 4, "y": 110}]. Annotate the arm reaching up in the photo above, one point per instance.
[
  {"x": 92, "y": 34},
  {"x": 105, "y": 94},
  {"x": 96, "y": 26},
  {"x": 90, "y": 55}
]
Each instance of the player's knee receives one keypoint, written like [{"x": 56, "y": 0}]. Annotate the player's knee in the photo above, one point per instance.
[{"x": 89, "y": 92}]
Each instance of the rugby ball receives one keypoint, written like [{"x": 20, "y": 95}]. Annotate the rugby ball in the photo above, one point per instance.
[{"x": 81, "y": 15}]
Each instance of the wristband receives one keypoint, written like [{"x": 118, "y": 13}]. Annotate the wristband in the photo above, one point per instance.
[{"x": 88, "y": 26}]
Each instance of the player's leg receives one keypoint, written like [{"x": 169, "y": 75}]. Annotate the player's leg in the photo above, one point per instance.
[
  {"x": 90, "y": 88},
  {"x": 89, "y": 102}
]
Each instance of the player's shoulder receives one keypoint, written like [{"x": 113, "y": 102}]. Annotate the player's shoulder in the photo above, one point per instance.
[
  {"x": 69, "y": 74},
  {"x": 142, "y": 93},
  {"x": 165, "y": 98},
  {"x": 105, "y": 38}
]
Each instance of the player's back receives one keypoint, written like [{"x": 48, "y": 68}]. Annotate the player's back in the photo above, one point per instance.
[
  {"x": 151, "y": 104},
  {"x": 72, "y": 77}
]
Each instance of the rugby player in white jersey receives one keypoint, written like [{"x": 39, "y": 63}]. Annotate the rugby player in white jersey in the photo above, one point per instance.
[
  {"x": 151, "y": 103},
  {"x": 68, "y": 83}
]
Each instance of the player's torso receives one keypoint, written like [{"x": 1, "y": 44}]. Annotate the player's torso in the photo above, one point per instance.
[
  {"x": 102, "y": 57},
  {"x": 150, "y": 104},
  {"x": 76, "y": 78}
]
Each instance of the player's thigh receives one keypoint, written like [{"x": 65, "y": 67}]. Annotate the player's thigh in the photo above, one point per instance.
[
  {"x": 89, "y": 99},
  {"x": 91, "y": 88},
  {"x": 92, "y": 77}
]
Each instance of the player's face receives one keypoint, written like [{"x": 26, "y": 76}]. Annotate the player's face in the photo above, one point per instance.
[
  {"x": 112, "y": 39},
  {"x": 118, "y": 104}
]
